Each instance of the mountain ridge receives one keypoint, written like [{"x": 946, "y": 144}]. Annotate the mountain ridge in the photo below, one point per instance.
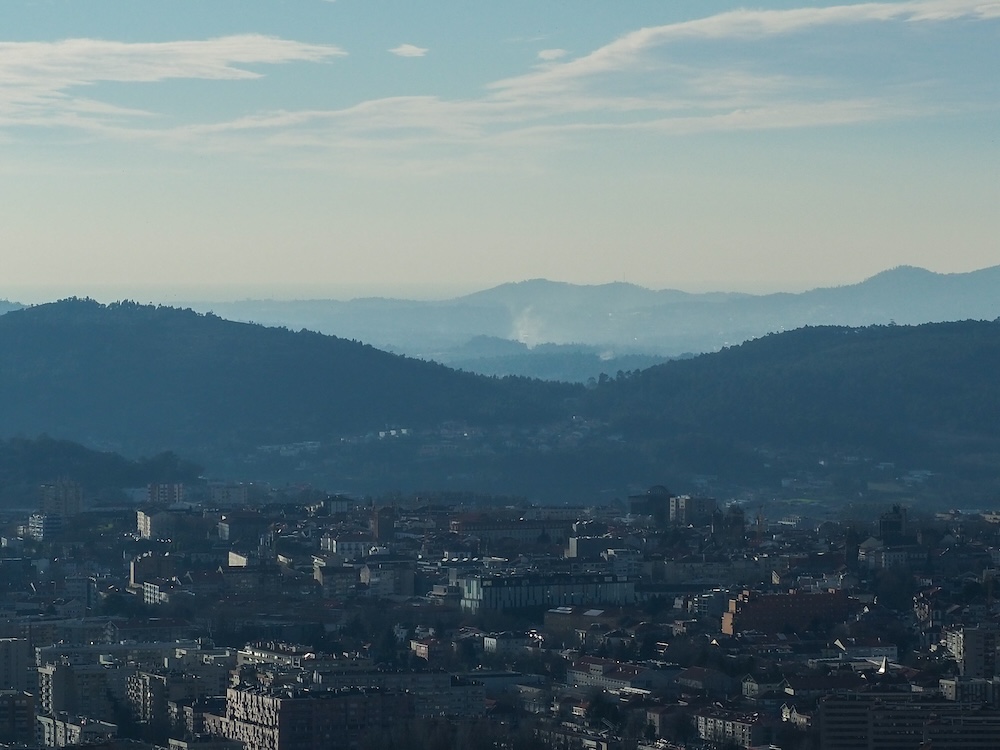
[
  {"x": 256, "y": 402},
  {"x": 627, "y": 319},
  {"x": 599, "y": 329}
]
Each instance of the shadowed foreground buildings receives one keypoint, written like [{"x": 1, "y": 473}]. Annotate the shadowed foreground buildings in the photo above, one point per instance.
[
  {"x": 776, "y": 613},
  {"x": 17, "y": 716},
  {"x": 890, "y": 721},
  {"x": 495, "y": 593},
  {"x": 314, "y": 624},
  {"x": 308, "y": 719}
]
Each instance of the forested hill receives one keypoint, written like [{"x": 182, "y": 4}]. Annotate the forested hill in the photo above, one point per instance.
[
  {"x": 140, "y": 379},
  {"x": 877, "y": 386},
  {"x": 27, "y": 463}
]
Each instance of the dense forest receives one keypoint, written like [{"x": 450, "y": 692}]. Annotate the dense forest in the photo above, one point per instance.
[
  {"x": 894, "y": 389},
  {"x": 843, "y": 380},
  {"x": 140, "y": 380}
]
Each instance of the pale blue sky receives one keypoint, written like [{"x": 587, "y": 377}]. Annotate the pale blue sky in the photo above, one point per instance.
[{"x": 306, "y": 147}]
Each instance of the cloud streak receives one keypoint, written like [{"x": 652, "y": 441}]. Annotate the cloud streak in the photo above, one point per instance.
[
  {"x": 552, "y": 54},
  {"x": 626, "y": 52},
  {"x": 35, "y": 77},
  {"x": 408, "y": 50},
  {"x": 639, "y": 82}
]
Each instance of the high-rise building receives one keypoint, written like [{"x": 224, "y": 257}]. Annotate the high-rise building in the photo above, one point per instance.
[
  {"x": 16, "y": 668},
  {"x": 383, "y": 523},
  {"x": 978, "y": 652},
  {"x": 893, "y": 525},
  {"x": 63, "y": 730},
  {"x": 77, "y": 689},
  {"x": 165, "y": 493},
  {"x": 654, "y": 502},
  {"x": 62, "y": 498},
  {"x": 686, "y": 510},
  {"x": 17, "y": 717},
  {"x": 43, "y": 527}
]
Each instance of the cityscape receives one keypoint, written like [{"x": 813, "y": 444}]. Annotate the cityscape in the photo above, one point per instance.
[
  {"x": 242, "y": 616},
  {"x": 499, "y": 376}
]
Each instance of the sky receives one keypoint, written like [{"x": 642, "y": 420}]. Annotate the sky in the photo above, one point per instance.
[{"x": 307, "y": 148}]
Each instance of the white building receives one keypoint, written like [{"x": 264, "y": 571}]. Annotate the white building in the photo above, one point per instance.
[{"x": 62, "y": 730}]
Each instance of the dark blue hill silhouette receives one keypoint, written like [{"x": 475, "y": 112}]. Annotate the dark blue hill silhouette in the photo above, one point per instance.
[
  {"x": 881, "y": 386},
  {"x": 140, "y": 379}
]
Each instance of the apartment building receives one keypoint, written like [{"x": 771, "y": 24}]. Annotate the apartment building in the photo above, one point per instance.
[{"x": 309, "y": 719}]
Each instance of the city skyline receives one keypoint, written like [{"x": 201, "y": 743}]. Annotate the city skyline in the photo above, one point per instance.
[{"x": 340, "y": 149}]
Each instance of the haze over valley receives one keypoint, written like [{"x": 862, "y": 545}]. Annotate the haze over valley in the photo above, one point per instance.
[
  {"x": 561, "y": 331},
  {"x": 273, "y": 404}
]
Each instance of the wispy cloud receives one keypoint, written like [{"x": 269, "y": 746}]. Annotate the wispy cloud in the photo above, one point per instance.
[
  {"x": 640, "y": 82},
  {"x": 552, "y": 54},
  {"x": 409, "y": 50},
  {"x": 36, "y": 77},
  {"x": 628, "y": 51}
]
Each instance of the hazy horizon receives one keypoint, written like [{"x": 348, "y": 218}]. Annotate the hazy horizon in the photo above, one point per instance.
[
  {"x": 201, "y": 293},
  {"x": 345, "y": 148}
]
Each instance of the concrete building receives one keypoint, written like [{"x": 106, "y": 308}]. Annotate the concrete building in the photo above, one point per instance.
[
  {"x": 775, "y": 613},
  {"x": 79, "y": 690},
  {"x": 63, "y": 730},
  {"x": 383, "y": 522},
  {"x": 732, "y": 727},
  {"x": 16, "y": 665},
  {"x": 608, "y": 674},
  {"x": 507, "y": 642},
  {"x": 387, "y": 577},
  {"x": 153, "y": 523},
  {"x": 305, "y": 719},
  {"x": 893, "y": 525},
  {"x": 336, "y": 580},
  {"x": 434, "y": 692},
  {"x": 347, "y": 546},
  {"x": 62, "y": 498},
  {"x": 44, "y": 527},
  {"x": 17, "y": 717},
  {"x": 691, "y": 511},
  {"x": 591, "y": 547},
  {"x": 521, "y": 530},
  {"x": 150, "y": 693},
  {"x": 228, "y": 495},
  {"x": 975, "y": 690},
  {"x": 495, "y": 593},
  {"x": 898, "y": 721},
  {"x": 654, "y": 502},
  {"x": 165, "y": 493},
  {"x": 978, "y": 652},
  {"x": 149, "y": 566}
]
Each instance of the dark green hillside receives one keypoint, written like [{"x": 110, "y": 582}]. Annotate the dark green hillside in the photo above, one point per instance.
[
  {"x": 26, "y": 464},
  {"x": 141, "y": 379},
  {"x": 884, "y": 387}
]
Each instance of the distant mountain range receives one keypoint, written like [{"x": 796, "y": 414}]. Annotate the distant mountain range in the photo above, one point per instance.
[
  {"x": 559, "y": 331},
  {"x": 610, "y": 327},
  {"x": 253, "y": 402}
]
